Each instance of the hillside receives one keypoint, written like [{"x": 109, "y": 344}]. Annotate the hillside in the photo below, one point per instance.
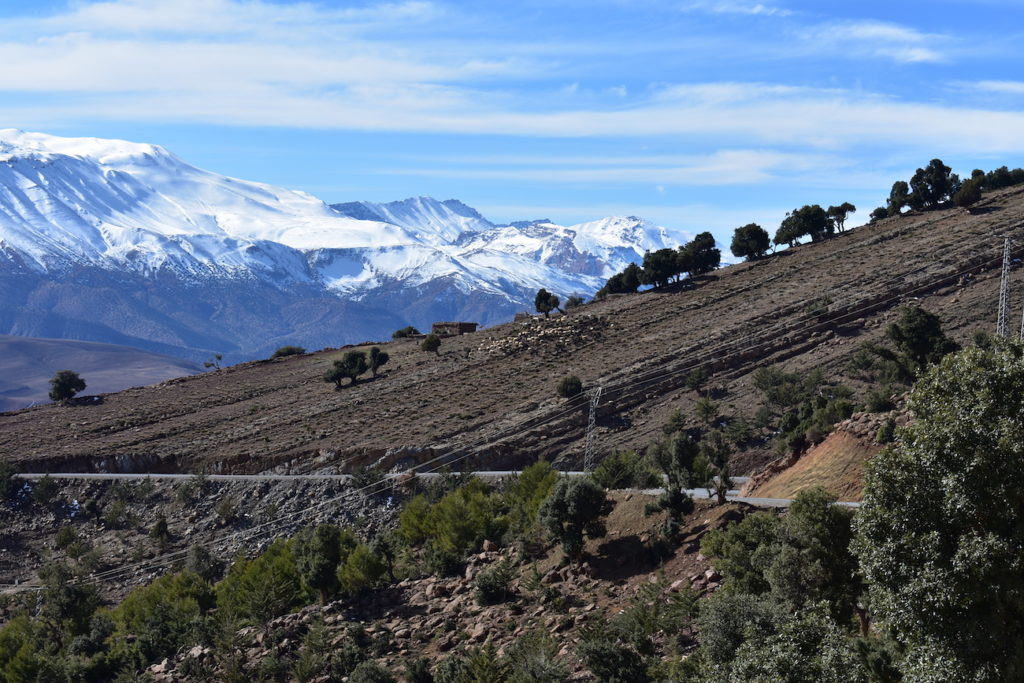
[
  {"x": 27, "y": 364},
  {"x": 489, "y": 396}
]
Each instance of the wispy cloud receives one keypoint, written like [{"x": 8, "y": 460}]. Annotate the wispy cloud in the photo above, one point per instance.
[
  {"x": 1004, "y": 87},
  {"x": 886, "y": 40},
  {"x": 728, "y": 7}
]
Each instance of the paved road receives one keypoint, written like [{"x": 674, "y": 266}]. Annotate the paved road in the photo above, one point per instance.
[{"x": 700, "y": 494}]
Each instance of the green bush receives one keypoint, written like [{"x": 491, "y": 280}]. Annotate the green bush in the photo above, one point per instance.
[
  {"x": 458, "y": 523},
  {"x": 371, "y": 672},
  {"x": 165, "y": 615},
  {"x": 526, "y": 492},
  {"x": 431, "y": 344},
  {"x": 65, "y": 384},
  {"x": 262, "y": 588},
  {"x": 573, "y": 511},
  {"x": 288, "y": 351},
  {"x": 887, "y": 432},
  {"x": 569, "y": 386},
  {"x": 626, "y": 470},
  {"x": 494, "y": 585},
  {"x": 408, "y": 331},
  {"x": 9, "y": 484},
  {"x": 879, "y": 400},
  {"x": 45, "y": 490},
  {"x": 361, "y": 570}
]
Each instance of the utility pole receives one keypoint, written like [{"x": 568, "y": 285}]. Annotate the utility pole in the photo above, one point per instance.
[
  {"x": 588, "y": 457},
  {"x": 1004, "y": 293}
]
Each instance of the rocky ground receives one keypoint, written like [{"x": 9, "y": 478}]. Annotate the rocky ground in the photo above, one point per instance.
[
  {"x": 434, "y": 617},
  {"x": 112, "y": 521}
]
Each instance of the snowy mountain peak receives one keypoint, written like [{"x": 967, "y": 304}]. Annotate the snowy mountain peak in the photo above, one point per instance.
[
  {"x": 15, "y": 143},
  {"x": 136, "y": 211}
]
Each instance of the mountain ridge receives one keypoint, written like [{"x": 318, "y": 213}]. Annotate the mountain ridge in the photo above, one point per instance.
[{"x": 81, "y": 210}]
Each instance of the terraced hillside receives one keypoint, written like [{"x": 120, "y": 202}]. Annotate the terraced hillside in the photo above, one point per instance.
[{"x": 489, "y": 400}]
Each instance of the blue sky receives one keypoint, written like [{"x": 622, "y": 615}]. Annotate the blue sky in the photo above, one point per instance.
[{"x": 696, "y": 114}]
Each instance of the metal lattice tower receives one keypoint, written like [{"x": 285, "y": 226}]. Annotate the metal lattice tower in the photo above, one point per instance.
[
  {"x": 588, "y": 457},
  {"x": 1004, "y": 292}
]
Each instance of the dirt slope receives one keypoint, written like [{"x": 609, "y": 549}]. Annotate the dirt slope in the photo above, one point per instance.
[{"x": 490, "y": 396}]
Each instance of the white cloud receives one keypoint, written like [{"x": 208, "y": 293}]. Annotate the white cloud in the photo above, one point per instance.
[
  {"x": 1005, "y": 87},
  {"x": 726, "y": 7},
  {"x": 885, "y": 40}
]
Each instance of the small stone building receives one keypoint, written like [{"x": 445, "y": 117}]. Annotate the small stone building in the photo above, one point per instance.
[{"x": 452, "y": 329}]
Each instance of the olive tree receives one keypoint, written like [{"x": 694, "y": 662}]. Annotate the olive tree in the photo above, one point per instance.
[
  {"x": 350, "y": 366},
  {"x": 573, "y": 511},
  {"x": 65, "y": 384},
  {"x": 941, "y": 529}
]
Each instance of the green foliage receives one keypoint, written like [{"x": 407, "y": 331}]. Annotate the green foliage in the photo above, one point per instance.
[
  {"x": 611, "y": 660},
  {"x": 159, "y": 533},
  {"x": 809, "y": 646},
  {"x": 700, "y": 255},
  {"x": 818, "y": 307},
  {"x": 227, "y": 509},
  {"x": 575, "y": 510},
  {"x": 887, "y": 432},
  {"x": 940, "y": 532},
  {"x": 262, "y": 588},
  {"x": 533, "y": 658},
  {"x": 288, "y": 351},
  {"x": 318, "y": 551},
  {"x": 418, "y": 671},
  {"x": 494, "y": 585},
  {"x": 626, "y": 470},
  {"x": 877, "y": 214},
  {"x": 431, "y": 344},
  {"x": 64, "y": 385},
  {"x": 45, "y": 490},
  {"x": 214, "y": 362},
  {"x": 545, "y": 302},
  {"x": 525, "y": 493},
  {"x": 371, "y": 672},
  {"x": 969, "y": 193},
  {"x": 165, "y": 615},
  {"x": 750, "y": 241},
  {"x": 675, "y": 454},
  {"x": 808, "y": 220},
  {"x": 457, "y": 524},
  {"x": 625, "y": 282},
  {"x": 801, "y": 406},
  {"x": 933, "y": 185},
  {"x": 68, "y": 602},
  {"x": 408, "y": 331},
  {"x": 706, "y": 410},
  {"x": 798, "y": 560},
  {"x": 654, "y": 615},
  {"x": 918, "y": 336},
  {"x": 899, "y": 197},
  {"x": 9, "y": 484},
  {"x": 361, "y": 570},
  {"x": 199, "y": 561},
  {"x": 879, "y": 399},
  {"x": 378, "y": 359},
  {"x": 569, "y": 386},
  {"x": 349, "y": 366},
  {"x": 574, "y": 301},
  {"x": 838, "y": 214},
  {"x": 660, "y": 267}
]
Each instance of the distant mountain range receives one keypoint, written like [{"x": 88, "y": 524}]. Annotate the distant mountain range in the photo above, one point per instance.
[{"x": 125, "y": 243}]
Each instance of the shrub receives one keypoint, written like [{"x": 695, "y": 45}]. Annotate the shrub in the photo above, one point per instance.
[
  {"x": 879, "y": 400},
  {"x": 45, "y": 490},
  {"x": 525, "y": 493},
  {"x": 227, "y": 509},
  {"x": 545, "y": 302},
  {"x": 159, "y": 533},
  {"x": 432, "y": 343},
  {"x": 569, "y": 386},
  {"x": 164, "y": 615},
  {"x": 494, "y": 585},
  {"x": 64, "y": 385},
  {"x": 371, "y": 672},
  {"x": 288, "y": 351},
  {"x": 349, "y": 366},
  {"x": 887, "y": 432},
  {"x": 378, "y": 359},
  {"x": 573, "y": 301},
  {"x": 262, "y": 588},
  {"x": 626, "y": 470},
  {"x": 361, "y": 570},
  {"x": 9, "y": 484},
  {"x": 408, "y": 331},
  {"x": 575, "y": 510}
]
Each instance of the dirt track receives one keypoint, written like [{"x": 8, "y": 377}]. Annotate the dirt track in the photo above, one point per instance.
[{"x": 501, "y": 381}]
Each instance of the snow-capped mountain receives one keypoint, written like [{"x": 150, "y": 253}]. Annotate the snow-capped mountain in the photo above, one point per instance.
[{"x": 122, "y": 242}]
